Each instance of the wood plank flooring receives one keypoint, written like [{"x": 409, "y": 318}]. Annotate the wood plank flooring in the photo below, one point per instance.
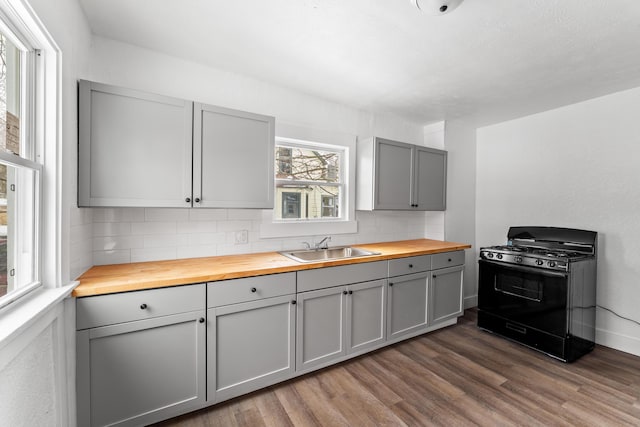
[{"x": 457, "y": 376}]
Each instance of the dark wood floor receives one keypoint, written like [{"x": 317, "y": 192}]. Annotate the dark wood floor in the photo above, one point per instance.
[{"x": 457, "y": 376}]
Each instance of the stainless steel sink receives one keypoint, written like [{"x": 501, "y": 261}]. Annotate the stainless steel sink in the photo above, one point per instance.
[{"x": 341, "y": 252}]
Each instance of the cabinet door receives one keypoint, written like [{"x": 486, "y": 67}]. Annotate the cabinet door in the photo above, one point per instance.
[
  {"x": 430, "y": 179},
  {"x": 249, "y": 346},
  {"x": 393, "y": 175},
  {"x": 233, "y": 158},
  {"x": 366, "y": 316},
  {"x": 141, "y": 372},
  {"x": 320, "y": 327},
  {"x": 445, "y": 294},
  {"x": 407, "y": 307},
  {"x": 134, "y": 148}
]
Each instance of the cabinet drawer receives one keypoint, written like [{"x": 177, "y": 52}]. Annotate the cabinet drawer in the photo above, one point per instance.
[
  {"x": 309, "y": 280},
  {"x": 105, "y": 310},
  {"x": 414, "y": 264},
  {"x": 447, "y": 259},
  {"x": 250, "y": 289}
]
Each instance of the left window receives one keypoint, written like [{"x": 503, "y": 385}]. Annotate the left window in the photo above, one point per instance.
[{"x": 20, "y": 172}]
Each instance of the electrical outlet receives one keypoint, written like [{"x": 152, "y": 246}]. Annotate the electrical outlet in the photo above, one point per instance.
[{"x": 242, "y": 237}]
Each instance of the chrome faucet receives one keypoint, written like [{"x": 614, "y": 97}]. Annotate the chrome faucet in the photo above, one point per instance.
[
  {"x": 307, "y": 245},
  {"x": 323, "y": 244}
]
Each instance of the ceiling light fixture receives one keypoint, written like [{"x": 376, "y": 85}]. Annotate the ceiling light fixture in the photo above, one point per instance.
[{"x": 436, "y": 7}]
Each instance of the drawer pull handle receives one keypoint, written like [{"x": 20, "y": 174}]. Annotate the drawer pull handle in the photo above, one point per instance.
[
  {"x": 410, "y": 265},
  {"x": 201, "y": 320},
  {"x": 293, "y": 302},
  {"x": 350, "y": 292},
  {"x": 143, "y": 306},
  {"x": 344, "y": 292},
  {"x": 254, "y": 290},
  {"x": 449, "y": 259},
  {"x": 390, "y": 284}
]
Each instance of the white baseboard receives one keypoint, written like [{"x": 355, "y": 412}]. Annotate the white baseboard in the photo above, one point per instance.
[
  {"x": 618, "y": 341},
  {"x": 470, "y": 301}
]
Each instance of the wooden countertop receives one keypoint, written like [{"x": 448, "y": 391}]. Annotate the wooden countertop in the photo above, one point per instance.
[{"x": 107, "y": 279}]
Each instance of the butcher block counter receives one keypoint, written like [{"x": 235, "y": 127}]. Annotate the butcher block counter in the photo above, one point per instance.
[{"x": 107, "y": 279}]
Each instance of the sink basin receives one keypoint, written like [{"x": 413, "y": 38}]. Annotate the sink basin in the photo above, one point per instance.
[{"x": 342, "y": 252}]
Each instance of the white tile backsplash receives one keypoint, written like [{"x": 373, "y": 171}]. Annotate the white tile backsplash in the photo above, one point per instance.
[
  {"x": 123, "y": 235},
  {"x": 166, "y": 214},
  {"x": 111, "y": 229},
  {"x": 153, "y": 228}
]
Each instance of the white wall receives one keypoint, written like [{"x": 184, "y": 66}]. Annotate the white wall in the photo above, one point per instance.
[
  {"x": 460, "y": 216},
  {"x": 577, "y": 167},
  {"x": 130, "y": 235}
]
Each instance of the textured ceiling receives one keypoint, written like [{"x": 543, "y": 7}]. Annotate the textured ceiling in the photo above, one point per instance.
[{"x": 488, "y": 59}]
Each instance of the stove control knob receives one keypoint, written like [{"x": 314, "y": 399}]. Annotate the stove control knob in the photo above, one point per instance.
[
  {"x": 518, "y": 259},
  {"x": 499, "y": 256},
  {"x": 490, "y": 254},
  {"x": 551, "y": 263},
  {"x": 539, "y": 262}
]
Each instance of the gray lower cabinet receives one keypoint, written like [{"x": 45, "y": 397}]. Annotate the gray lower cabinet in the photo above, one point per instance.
[
  {"x": 366, "y": 316},
  {"x": 333, "y": 323},
  {"x": 445, "y": 291},
  {"x": 249, "y": 346},
  {"x": 139, "y": 372},
  {"x": 407, "y": 307},
  {"x": 320, "y": 335},
  {"x": 250, "y": 334}
]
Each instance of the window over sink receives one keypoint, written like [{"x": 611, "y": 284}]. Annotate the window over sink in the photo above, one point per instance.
[{"x": 310, "y": 181}]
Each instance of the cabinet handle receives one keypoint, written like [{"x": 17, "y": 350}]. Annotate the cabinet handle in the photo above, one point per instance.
[
  {"x": 410, "y": 265},
  {"x": 293, "y": 302},
  {"x": 201, "y": 320},
  {"x": 254, "y": 290},
  {"x": 350, "y": 292},
  {"x": 449, "y": 259},
  {"x": 344, "y": 292},
  {"x": 390, "y": 284},
  {"x": 434, "y": 276},
  {"x": 143, "y": 306},
  {"x": 197, "y": 200},
  {"x": 188, "y": 200}
]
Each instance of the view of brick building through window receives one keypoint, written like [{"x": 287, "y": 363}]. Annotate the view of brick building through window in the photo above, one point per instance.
[{"x": 9, "y": 141}]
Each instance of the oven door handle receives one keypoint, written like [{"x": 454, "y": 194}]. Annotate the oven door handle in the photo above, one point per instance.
[{"x": 525, "y": 268}]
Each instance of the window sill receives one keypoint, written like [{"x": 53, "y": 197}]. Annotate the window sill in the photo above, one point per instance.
[
  {"x": 20, "y": 315},
  {"x": 295, "y": 229}
]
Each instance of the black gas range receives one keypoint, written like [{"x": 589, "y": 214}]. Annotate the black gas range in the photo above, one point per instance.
[{"x": 540, "y": 289}]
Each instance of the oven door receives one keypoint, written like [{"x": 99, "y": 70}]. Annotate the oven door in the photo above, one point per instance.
[{"x": 533, "y": 297}]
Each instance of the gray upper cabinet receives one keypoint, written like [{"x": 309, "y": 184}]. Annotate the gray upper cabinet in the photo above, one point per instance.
[
  {"x": 141, "y": 149},
  {"x": 134, "y": 148},
  {"x": 393, "y": 175},
  {"x": 233, "y": 158},
  {"x": 430, "y": 191}
]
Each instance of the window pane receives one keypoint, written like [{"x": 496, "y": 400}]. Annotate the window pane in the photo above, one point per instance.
[
  {"x": 307, "y": 164},
  {"x": 9, "y": 96},
  {"x": 17, "y": 227},
  {"x": 307, "y": 201}
]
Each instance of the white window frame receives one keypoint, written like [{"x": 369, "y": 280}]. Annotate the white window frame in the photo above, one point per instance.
[
  {"x": 40, "y": 120},
  {"x": 341, "y": 184},
  {"x": 271, "y": 228}
]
